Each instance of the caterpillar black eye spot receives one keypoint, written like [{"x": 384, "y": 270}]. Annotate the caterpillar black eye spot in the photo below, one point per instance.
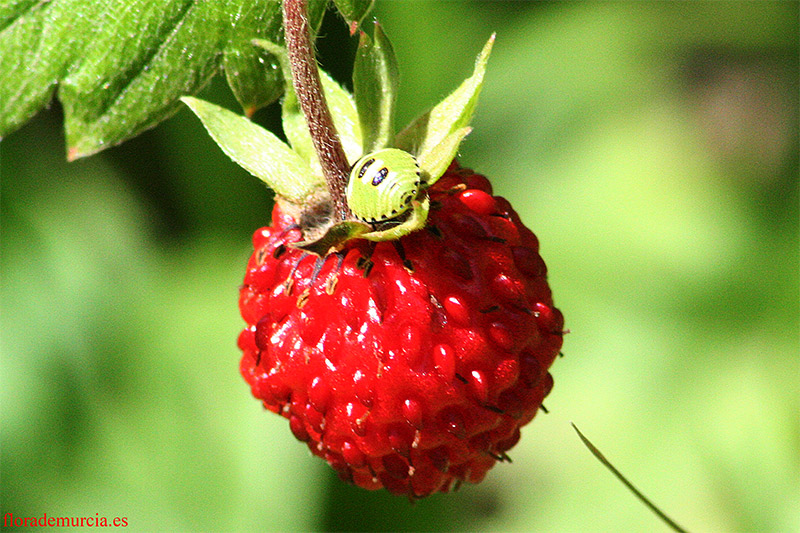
[
  {"x": 364, "y": 168},
  {"x": 380, "y": 176}
]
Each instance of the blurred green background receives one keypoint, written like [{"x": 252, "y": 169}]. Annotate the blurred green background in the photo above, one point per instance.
[{"x": 652, "y": 147}]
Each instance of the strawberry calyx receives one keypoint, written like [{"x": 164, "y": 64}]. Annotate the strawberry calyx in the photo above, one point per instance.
[{"x": 301, "y": 174}]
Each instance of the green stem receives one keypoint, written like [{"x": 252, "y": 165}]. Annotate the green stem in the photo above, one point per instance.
[
  {"x": 636, "y": 492},
  {"x": 307, "y": 86}
]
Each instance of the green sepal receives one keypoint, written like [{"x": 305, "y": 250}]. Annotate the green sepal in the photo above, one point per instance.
[
  {"x": 415, "y": 221},
  {"x": 434, "y": 163},
  {"x": 258, "y": 151},
  {"x": 345, "y": 120},
  {"x": 353, "y": 11},
  {"x": 375, "y": 80},
  {"x": 334, "y": 237},
  {"x": 340, "y": 103},
  {"x": 337, "y": 235},
  {"x": 451, "y": 114}
]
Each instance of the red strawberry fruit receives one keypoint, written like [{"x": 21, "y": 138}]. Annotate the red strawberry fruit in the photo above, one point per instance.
[
  {"x": 418, "y": 373},
  {"x": 406, "y": 336}
]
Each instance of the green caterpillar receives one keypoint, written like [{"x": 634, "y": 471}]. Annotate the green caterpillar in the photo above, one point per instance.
[{"x": 382, "y": 185}]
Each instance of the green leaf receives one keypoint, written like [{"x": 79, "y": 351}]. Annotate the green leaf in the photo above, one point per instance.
[
  {"x": 29, "y": 74},
  {"x": 375, "y": 80},
  {"x": 453, "y": 113},
  {"x": 345, "y": 119},
  {"x": 123, "y": 64},
  {"x": 434, "y": 162},
  {"x": 13, "y": 9},
  {"x": 258, "y": 151},
  {"x": 353, "y": 11}
]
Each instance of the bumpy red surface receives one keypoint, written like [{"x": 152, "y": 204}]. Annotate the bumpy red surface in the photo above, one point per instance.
[{"x": 410, "y": 379}]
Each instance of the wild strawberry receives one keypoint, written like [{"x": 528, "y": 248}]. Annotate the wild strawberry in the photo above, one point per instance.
[
  {"x": 398, "y": 314},
  {"x": 413, "y": 369}
]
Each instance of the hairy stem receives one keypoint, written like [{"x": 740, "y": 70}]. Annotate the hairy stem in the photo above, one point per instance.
[{"x": 307, "y": 86}]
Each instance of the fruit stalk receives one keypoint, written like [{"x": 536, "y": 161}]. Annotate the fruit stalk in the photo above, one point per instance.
[{"x": 307, "y": 86}]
